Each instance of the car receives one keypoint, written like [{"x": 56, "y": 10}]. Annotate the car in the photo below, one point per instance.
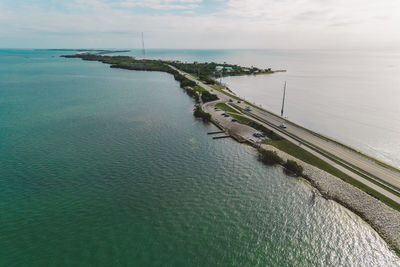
[
  {"x": 226, "y": 115},
  {"x": 239, "y": 101},
  {"x": 216, "y": 109},
  {"x": 230, "y": 100},
  {"x": 248, "y": 109},
  {"x": 283, "y": 126},
  {"x": 223, "y": 114},
  {"x": 234, "y": 120},
  {"x": 258, "y": 135}
]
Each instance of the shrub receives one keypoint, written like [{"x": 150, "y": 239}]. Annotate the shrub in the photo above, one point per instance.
[
  {"x": 192, "y": 93},
  {"x": 199, "y": 113},
  {"x": 207, "y": 97},
  {"x": 293, "y": 167},
  {"x": 186, "y": 82},
  {"x": 270, "y": 157},
  {"x": 206, "y": 79}
]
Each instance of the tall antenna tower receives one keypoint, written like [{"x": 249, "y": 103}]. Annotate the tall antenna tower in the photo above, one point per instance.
[{"x": 143, "y": 50}]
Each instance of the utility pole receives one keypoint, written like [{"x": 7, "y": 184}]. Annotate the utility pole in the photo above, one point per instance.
[{"x": 283, "y": 100}]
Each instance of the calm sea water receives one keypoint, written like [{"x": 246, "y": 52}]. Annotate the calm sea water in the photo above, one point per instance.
[{"x": 108, "y": 167}]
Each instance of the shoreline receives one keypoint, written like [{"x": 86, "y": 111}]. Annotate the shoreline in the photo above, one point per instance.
[{"x": 382, "y": 218}]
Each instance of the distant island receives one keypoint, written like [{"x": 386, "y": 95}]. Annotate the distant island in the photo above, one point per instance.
[
  {"x": 86, "y": 51},
  {"x": 206, "y": 72}
]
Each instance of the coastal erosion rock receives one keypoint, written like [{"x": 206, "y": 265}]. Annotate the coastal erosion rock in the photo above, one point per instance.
[{"x": 384, "y": 219}]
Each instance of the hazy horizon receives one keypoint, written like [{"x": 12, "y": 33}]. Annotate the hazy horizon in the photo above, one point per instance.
[{"x": 201, "y": 24}]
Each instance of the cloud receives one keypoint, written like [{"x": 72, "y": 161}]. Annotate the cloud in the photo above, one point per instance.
[
  {"x": 159, "y": 4},
  {"x": 180, "y": 24}
]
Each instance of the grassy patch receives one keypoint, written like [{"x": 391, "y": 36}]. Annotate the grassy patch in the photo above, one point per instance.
[
  {"x": 217, "y": 87},
  {"x": 199, "y": 89},
  {"x": 232, "y": 96},
  {"x": 309, "y": 158},
  {"x": 225, "y": 107}
]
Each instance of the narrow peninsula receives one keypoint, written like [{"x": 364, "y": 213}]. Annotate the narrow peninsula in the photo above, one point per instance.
[{"x": 366, "y": 186}]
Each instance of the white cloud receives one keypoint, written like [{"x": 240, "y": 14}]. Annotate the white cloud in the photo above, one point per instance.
[
  {"x": 160, "y": 4},
  {"x": 239, "y": 24}
]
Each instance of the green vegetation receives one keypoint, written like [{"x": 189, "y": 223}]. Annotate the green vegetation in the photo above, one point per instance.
[
  {"x": 182, "y": 79},
  {"x": 193, "y": 93},
  {"x": 186, "y": 82},
  {"x": 270, "y": 157},
  {"x": 207, "y": 97},
  {"x": 199, "y": 89},
  {"x": 194, "y": 76},
  {"x": 207, "y": 71},
  {"x": 200, "y": 71},
  {"x": 298, "y": 152},
  {"x": 217, "y": 86},
  {"x": 294, "y": 167},
  {"x": 198, "y": 112},
  {"x": 225, "y": 107}
]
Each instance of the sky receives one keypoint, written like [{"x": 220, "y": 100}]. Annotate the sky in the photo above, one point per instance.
[{"x": 201, "y": 24}]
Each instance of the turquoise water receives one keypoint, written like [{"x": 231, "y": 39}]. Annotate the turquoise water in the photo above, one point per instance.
[{"x": 108, "y": 167}]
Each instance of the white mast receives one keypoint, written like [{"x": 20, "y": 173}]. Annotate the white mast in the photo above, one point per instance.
[
  {"x": 143, "y": 50},
  {"x": 283, "y": 126},
  {"x": 283, "y": 100}
]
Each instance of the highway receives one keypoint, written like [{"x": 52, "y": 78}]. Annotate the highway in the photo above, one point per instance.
[{"x": 352, "y": 163}]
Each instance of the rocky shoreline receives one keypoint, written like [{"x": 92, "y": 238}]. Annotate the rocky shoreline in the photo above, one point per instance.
[{"x": 383, "y": 219}]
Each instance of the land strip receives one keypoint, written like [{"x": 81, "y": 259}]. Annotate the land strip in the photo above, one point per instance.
[
  {"x": 367, "y": 174},
  {"x": 326, "y": 150}
]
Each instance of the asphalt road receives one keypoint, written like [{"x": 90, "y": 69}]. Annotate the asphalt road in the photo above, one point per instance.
[{"x": 322, "y": 147}]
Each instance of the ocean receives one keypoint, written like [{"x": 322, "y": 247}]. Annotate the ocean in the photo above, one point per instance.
[{"x": 108, "y": 167}]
